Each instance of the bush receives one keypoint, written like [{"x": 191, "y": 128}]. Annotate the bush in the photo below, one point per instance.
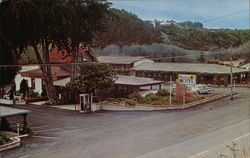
[
  {"x": 112, "y": 99},
  {"x": 26, "y": 130},
  {"x": 149, "y": 95},
  {"x": 158, "y": 102},
  {"x": 163, "y": 92},
  {"x": 32, "y": 94},
  {"x": 5, "y": 125},
  {"x": 135, "y": 96},
  {"x": 1, "y": 142},
  {"x": 62, "y": 102},
  {"x": 50, "y": 102},
  {"x": 154, "y": 98},
  {"x": 4, "y": 139},
  {"x": 130, "y": 102}
]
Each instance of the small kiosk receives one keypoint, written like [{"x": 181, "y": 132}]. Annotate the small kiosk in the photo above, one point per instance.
[{"x": 85, "y": 102}]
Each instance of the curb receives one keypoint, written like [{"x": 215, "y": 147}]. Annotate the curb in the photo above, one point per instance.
[
  {"x": 150, "y": 108},
  {"x": 15, "y": 143}
]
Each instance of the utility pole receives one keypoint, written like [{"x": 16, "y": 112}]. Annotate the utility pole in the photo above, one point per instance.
[
  {"x": 231, "y": 72},
  {"x": 170, "y": 90},
  {"x": 184, "y": 98}
]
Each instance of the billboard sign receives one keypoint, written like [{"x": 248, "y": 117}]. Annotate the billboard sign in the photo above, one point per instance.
[{"x": 187, "y": 79}]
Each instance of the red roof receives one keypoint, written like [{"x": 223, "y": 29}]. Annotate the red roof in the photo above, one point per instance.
[
  {"x": 56, "y": 71},
  {"x": 62, "y": 56}
]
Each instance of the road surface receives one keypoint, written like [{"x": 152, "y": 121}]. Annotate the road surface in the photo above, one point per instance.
[{"x": 200, "y": 131}]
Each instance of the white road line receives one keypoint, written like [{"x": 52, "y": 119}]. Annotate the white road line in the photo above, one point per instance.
[
  {"x": 99, "y": 113},
  {"x": 199, "y": 154},
  {"x": 69, "y": 131},
  {"x": 242, "y": 136},
  {"x": 39, "y": 126},
  {"x": 46, "y": 137},
  {"x": 43, "y": 130},
  {"x": 24, "y": 156}
]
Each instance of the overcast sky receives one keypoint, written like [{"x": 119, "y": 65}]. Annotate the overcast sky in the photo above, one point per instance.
[{"x": 212, "y": 13}]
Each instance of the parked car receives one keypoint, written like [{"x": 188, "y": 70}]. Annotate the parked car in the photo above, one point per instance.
[
  {"x": 201, "y": 89},
  {"x": 172, "y": 83}
]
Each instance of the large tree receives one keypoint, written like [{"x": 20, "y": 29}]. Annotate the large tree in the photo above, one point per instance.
[
  {"x": 48, "y": 23},
  {"x": 85, "y": 19},
  {"x": 33, "y": 23},
  {"x": 92, "y": 78},
  {"x": 8, "y": 72}
]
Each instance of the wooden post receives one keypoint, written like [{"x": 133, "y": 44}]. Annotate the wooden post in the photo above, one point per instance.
[
  {"x": 170, "y": 91},
  {"x": 231, "y": 74},
  {"x": 25, "y": 124}
]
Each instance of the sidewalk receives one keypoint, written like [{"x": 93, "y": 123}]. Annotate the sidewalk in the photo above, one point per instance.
[
  {"x": 110, "y": 107},
  {"x": 155, "y": 108}
]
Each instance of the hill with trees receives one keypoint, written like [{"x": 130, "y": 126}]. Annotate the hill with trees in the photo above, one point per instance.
[
  {"x": 126, "y": 28},
  {"x": 204, "y": 39}
]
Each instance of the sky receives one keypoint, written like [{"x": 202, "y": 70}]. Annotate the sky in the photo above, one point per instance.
[{"x": 232, "y": 14}]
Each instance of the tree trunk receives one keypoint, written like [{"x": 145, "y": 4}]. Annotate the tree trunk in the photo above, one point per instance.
[
  {"x": 1, "y": 91},
  {"x": 46, "y": 70}
]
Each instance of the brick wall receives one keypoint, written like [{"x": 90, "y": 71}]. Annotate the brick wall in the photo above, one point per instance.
[{"x": 181, "y": 90}]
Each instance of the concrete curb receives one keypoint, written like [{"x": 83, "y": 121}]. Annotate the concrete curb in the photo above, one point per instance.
[
  {"x": 151, "y": 108},
  {"x": 16, "y": 142}
]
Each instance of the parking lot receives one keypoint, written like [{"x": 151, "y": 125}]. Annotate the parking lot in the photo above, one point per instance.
[{"x": 61, "y": 133}]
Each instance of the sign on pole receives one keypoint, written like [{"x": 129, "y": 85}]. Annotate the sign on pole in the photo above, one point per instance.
[{"x": 187, "y": 79}]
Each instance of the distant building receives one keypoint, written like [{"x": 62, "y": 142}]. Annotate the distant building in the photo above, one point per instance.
[
  {"x": 246, "y": 66},
  {"x": 124, "y": 85},
  {"x": 206, "y": 73},
  {"x": 34, "y": 75},
  {"x": 123, "y": 64}
]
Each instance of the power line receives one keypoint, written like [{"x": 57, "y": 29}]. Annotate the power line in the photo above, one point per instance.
[
  {"x": 63, "y": 64},
  {"x": 190, "y": 55},
  {"x": 224, "y": 16}
]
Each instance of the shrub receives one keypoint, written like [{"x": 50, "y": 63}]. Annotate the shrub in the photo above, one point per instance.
[
  {"x": 62, "y": 102},
  {"x": 130, "y": 102},
  {"x": 112, "y": 100},
  {"x": 50, "y": 102},
  {"x": 5, "y": 125},
  {"x": 154, "y": 98},
  {"x": 32, "y": 94},
  {"x": 158, "y": 102},
  {"x": 149, "y": 95},
  {"x": 1, "y": 142},
  {"x": 163, "y": 92},
  {"x": 4, "y": 139},
  {"x": 136, "y": 96},
  {"x": 26, "y": 130}
]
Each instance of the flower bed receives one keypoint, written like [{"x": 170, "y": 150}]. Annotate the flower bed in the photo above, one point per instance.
[
  {"x": 8, "y": 140},
  {"x": 4, "y": 139},
  {"x": 161, "y": 98}
]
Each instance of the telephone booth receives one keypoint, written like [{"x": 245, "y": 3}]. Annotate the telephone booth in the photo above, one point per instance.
[{"x": 85, "y": 102}]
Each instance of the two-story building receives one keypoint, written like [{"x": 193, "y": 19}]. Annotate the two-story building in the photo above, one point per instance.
[{"x": 124, "y": 64}]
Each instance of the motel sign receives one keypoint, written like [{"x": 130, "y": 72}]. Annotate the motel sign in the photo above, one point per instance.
[{"x": 187, "y": 79}]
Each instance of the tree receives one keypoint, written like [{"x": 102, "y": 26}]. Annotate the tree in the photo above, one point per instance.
[
  {"x": 24, "y": 88},
  {"x": 201, "y": 58},
  {"x": 126, "y": 28},
  {"x": 7, "y": 74},
  {"x": 92, "y": 77},
  {"x": 42, "y": 29},
  {"x": 85, "y": 19}
]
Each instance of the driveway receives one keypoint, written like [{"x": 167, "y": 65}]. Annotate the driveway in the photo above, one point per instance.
[{"x": 67, "y": 134}]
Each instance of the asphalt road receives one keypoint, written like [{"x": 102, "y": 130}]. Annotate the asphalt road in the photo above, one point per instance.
[{"x": 194, "y": 132}]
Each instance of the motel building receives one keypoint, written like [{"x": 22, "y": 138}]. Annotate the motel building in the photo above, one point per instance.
[{"x": 205, "y": 73}]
